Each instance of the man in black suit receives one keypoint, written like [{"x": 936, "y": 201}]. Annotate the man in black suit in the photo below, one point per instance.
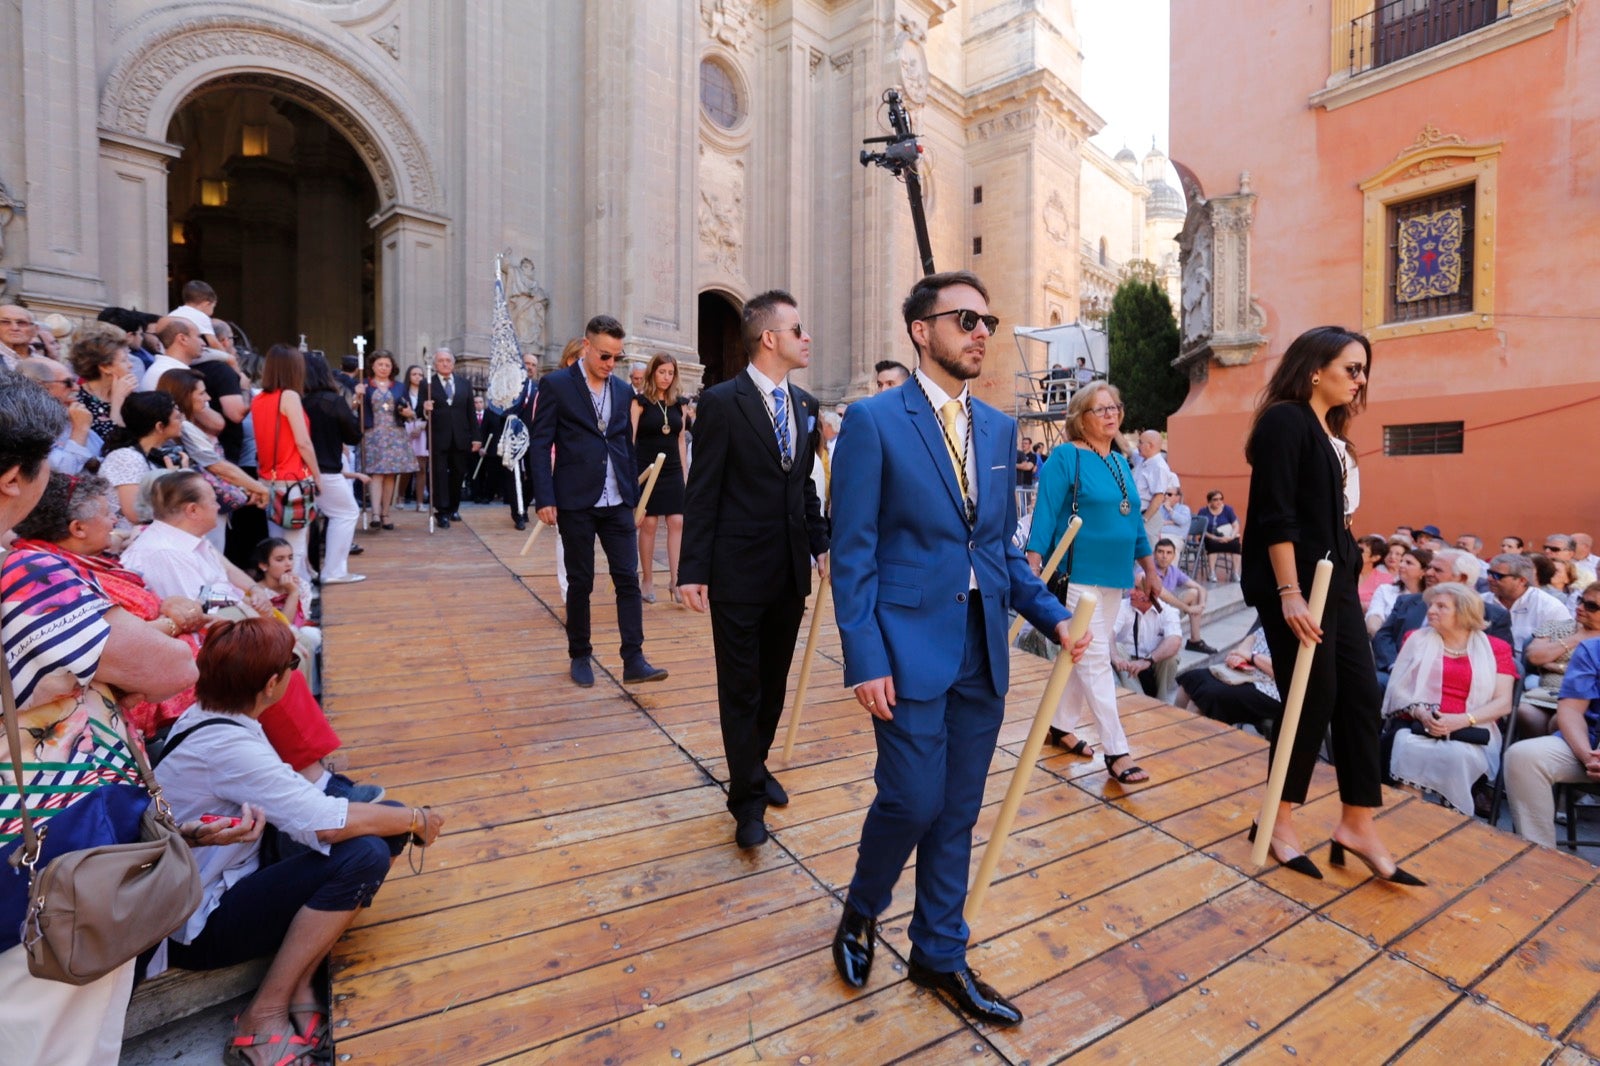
[
  {"x": 751, "y": 523},
  {"x": 1410, "y": 614},
  {"x": 584, "y": 412},
  {"x": 451, "y": 439}
]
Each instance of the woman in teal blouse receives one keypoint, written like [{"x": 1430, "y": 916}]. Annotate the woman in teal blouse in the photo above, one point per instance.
[{"x": 1090, "y": 478}]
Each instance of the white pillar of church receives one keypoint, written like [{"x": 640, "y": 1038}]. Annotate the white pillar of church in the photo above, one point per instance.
[
  {"x": 133, "y": 205},
  {"x": 641, "y": 82},
  {"x": 412, "y": 258},
  {"x": 59, "y": 98}
]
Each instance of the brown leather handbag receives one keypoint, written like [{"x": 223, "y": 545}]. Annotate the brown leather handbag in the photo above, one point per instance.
[{"x": 92, "y": 910}]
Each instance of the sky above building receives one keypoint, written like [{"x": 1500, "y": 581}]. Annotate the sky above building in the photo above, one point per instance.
[{"x": 1125, "y": 70}]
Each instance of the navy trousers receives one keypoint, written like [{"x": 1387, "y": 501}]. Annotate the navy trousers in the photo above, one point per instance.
[
  {"x": 933, "y": 762},
  {"x": 619, "y": 540}
]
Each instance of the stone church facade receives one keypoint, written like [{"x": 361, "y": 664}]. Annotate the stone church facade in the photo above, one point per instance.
[{"x": 337, "y": 167}]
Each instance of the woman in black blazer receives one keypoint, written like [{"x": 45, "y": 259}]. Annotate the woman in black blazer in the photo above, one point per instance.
[{"x": 1304, "y": 489}]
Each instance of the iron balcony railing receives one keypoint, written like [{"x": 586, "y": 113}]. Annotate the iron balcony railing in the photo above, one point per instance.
[{"x": 1401, "y": 28}]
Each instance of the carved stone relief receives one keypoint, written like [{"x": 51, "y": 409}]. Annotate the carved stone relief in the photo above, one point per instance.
[
  {"x": 388, "y": 39},
  {"x": 1219, "y": 315},
  {"x": 721, "y": 210},
  {"x": 1056, "y": 223},
  {"x": 170, "y": 52},
  {"x": 733, "y": 22},
  {"x": 913, "y": 58}
]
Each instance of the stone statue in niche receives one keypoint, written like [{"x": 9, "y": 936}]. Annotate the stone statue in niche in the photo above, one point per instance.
[
  {"x": 9, "y": 209},
  {"x": 528, "y": 303}
]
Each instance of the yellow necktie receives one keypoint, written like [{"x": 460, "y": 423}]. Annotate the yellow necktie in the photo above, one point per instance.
[{"x": 956, "y": 445}]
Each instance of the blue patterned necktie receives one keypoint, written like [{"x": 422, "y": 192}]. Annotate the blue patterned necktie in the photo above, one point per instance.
[{"x": 780, "y": 421}]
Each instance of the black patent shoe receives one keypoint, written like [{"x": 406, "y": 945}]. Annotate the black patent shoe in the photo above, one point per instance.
[
  {"x": 1336, "y": 852},
  {"x": 1300, "y": 864},
  {"x": 853, "y": 945},
  {"x": 963, "y": 988}
]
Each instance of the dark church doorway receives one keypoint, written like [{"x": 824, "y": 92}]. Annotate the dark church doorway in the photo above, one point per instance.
[
  {"x": 269, "y": 204},
  {"x": 721, "y": 349}
]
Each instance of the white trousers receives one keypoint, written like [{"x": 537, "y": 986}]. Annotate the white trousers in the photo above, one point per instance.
[
  {"x": 337, "y": 500},
  {"x": 1532, "y": 766},
  {"x": 51, "y": 1023},
  {"x": 1092, "y": 689}
]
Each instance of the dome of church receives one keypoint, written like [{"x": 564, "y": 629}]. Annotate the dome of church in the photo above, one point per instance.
[
  {"x": 1165, "y": 201},
  {"x": 1127, "y": 158}
]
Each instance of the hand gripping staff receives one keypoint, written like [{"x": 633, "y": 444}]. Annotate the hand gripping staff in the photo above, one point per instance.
[
  {"x": 1292, "y": 704},
  {"x": 1087, "y": 602}
]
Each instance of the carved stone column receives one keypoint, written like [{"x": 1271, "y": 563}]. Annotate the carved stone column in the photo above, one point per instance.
[
  {"x": 133, "y": 202},
  {"x": 412, "y": 257}
]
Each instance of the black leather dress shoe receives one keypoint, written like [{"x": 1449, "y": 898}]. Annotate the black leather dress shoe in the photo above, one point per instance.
[
  {"x": 582, "y": 672},
  {"x": 853, "y": 946},
  {"x": 455, "y": 516},
  {"x": 752, "y": 832},
  {"x": 441, "y": 522},
  {"x": 776, "y": 796},
  {"x": 521, "y": 524},
  {"x": 967, "y": 992}
]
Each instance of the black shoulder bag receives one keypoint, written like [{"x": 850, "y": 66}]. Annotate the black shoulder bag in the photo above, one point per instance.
[{"x": 1061, "y": 580}]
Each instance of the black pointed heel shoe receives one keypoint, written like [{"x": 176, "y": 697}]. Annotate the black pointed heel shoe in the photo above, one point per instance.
[
  {"x": 1300, "y": 864},
  {"x": 1336, "y": 852}
]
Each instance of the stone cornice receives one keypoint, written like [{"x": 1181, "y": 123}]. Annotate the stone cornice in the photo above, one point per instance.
[{"x": 1038, "y": 86}]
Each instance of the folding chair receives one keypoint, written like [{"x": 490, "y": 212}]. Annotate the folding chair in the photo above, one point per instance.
[{"x": 1194, "y": 546}]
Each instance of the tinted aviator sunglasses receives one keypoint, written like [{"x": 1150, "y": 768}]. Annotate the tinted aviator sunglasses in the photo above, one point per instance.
[{"x": 968, "y": 319}]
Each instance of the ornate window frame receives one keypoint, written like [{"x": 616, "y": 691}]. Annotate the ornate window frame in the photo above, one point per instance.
[
  {"x": 727, "y": 138},
  {"x": 1433, "y": 163}
]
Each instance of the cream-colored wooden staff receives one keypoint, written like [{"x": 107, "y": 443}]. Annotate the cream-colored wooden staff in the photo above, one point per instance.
[
  {"x": 527, "y": 545},
  {"x": 804, "y": 683},
  {"x": 1049, "y": 571},
  {"x": 1053, "y": 688},
  {"x": 649, "y": 479},
  {"x": 1293, "y": 702}
]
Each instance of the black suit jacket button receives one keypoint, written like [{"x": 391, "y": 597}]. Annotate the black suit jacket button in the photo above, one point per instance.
[{"x": 961, "y": 597}]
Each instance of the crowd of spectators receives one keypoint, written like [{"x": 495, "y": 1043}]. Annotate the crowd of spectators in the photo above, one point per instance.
[{"x": 147, "y": 598}]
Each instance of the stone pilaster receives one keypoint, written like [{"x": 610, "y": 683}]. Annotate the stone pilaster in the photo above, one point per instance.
[
  {"x": 412, "y": 257},
  {"x": 133, "y": 190}
]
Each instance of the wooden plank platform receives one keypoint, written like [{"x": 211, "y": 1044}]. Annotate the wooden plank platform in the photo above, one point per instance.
[{"x": 586, "y": 903}]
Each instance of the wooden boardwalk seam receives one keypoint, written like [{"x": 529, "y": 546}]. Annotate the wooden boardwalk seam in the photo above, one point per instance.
[{"x": 587, "y": 904}]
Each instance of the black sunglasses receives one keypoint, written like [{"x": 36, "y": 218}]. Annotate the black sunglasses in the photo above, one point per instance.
[
  {"x": 968, "y": 320},
  {"x": 1555, "y": 548},
  {"x": 604, "y": 358},
  {"x": 1589, "y": 605},
  {"x": 1496, "y": 575},
  {"x": 293, "y": 664},
  {"x": 797, "y": 329}
]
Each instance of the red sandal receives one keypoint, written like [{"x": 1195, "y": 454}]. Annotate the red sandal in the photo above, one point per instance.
[{"x": 294, "y": 1049}]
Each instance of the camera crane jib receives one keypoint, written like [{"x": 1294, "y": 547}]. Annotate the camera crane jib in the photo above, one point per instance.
[{"x": 899, "y": 158}]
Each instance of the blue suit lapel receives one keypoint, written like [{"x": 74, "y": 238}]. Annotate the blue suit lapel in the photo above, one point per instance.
[
  {"x": 990, "y": 486},
  {"x": 926, "y": 423}
]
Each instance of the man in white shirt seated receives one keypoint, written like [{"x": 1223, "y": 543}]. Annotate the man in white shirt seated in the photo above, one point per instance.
[
  {"x": 1148, "y": 636},
  {"x": 1511, "y": 583},
  {"x": 172, "y": 554},
  {"x": 1176, "y": 516}
]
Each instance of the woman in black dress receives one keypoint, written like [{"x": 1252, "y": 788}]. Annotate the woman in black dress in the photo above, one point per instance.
[
  {"x": 658, "y": 423},
  {"x": 1304, "y": 490}
]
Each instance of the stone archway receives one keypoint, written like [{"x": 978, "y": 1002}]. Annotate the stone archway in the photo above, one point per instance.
[
  {"x": 720, "y": 341},
  {"x": 169, "y": 58}
]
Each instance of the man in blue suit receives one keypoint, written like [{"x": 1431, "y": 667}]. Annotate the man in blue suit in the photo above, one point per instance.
[
  {"x": 585, "y": 413},
  {"x": 1410, "y": 614},
  {"x": 924, "y": 571}
]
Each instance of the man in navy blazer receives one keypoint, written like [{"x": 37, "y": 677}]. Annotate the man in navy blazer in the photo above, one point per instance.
[
  {"x": 584, "y": 412},
  {"x": 752, "y": 523},
  {"x": 924, "y": 572}
]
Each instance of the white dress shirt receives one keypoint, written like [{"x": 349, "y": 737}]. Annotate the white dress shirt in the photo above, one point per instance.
[
  {"x": 1140, "y": 633},
  {"x": 175, "y": 563},
  {"x": 162, "y": 363},
  {"x": 765, "y": 385}
]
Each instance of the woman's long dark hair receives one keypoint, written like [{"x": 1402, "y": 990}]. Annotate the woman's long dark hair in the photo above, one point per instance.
[
  {"x": 319, "y": 375},
  {"x": 1312, "y": 351},
  {"x": 142, "y": 412}
]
